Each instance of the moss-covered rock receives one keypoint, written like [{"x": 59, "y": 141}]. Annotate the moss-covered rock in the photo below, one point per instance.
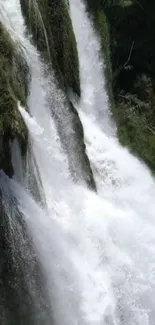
[
  {"x": 80, "y": 157},
  {"x": 51, "y": 27},
  {"x": 13, "y": 88},
  {"x": 101, "y": 25}
]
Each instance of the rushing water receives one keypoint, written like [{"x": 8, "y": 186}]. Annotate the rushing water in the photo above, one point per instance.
[
  {"x": 94, "y": 100},
  {"x": 96, "y": 250}
]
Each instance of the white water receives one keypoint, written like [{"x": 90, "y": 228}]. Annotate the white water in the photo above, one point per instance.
[
  {"x": 97, "y": 250},
  {"x": 94, "y": 100}
]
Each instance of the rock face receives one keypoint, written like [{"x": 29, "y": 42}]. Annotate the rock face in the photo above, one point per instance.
[
  {"x": 22, "y": 284},
  {"x": 51, "y": 27},
  {"x": 13, "y": 88},
  {"x": 21, "y": 278}
]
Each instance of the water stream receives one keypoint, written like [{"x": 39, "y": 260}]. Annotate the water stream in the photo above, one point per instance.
[{"x": 96, "y": 249}]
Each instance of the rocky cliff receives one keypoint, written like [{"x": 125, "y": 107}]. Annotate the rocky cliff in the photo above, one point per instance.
[{"x": 13, "y": 89}]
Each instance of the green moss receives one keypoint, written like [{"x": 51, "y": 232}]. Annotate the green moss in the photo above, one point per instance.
[
  {"x": 102, "y": 26},
  {"x": 96, "y": 9},
  {"x": 69, "y": 60},
  {"x": 136, "y": 121},
  {"x": 13, "y": 88},
  {"x": 51, "y": 27},
  {"x": 139, "y": 139}
]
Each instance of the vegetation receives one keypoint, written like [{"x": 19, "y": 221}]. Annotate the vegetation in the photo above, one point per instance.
[
  {"x": 102, "y": 26},
  {"x": 13, "y": 88},
  {"x": 131, "y": 55},
  {"x": 51, "y": 27}
]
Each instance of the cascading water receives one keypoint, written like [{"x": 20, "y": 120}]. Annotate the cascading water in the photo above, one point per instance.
[
  {"x": 94, "y": 101},
  {"x": 97, "y": 251}
]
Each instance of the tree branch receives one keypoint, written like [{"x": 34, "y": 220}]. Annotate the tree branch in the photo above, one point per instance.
[{"x": 117, "y": 72}]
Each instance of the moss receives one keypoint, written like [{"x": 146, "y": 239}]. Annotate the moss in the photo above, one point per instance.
[
  {"x": 134, "y": 133},
  {"x": 135, "y": 116},
  {"x": 52, "y": 31},
  {"x": 102, "y": 26},
  {"x": 13, "y": 88},
  {"x": 51, "y": 27}
]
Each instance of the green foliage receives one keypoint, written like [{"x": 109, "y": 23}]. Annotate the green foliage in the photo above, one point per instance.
[
  {"x": 51, "y": 27},
  {"x": 133, "y": 62},
  {"x": 132, "y": 57},
  {"x": 134, "y": 132},
  {"x": 135, "y": 116}
]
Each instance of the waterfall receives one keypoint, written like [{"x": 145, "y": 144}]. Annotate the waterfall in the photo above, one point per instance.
[
  {"x": 94, "y": 101},
  {"x": 95, "y": 251}
]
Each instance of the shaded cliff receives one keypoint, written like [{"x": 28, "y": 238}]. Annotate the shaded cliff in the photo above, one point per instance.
[
  {"x": 22, "y": 285},
  {"x": 13, "y": 88},
  {"x": 51, "y": 27}
]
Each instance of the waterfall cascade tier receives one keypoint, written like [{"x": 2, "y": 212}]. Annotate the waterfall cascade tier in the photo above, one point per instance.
[{"x": 93, "y": 252}]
